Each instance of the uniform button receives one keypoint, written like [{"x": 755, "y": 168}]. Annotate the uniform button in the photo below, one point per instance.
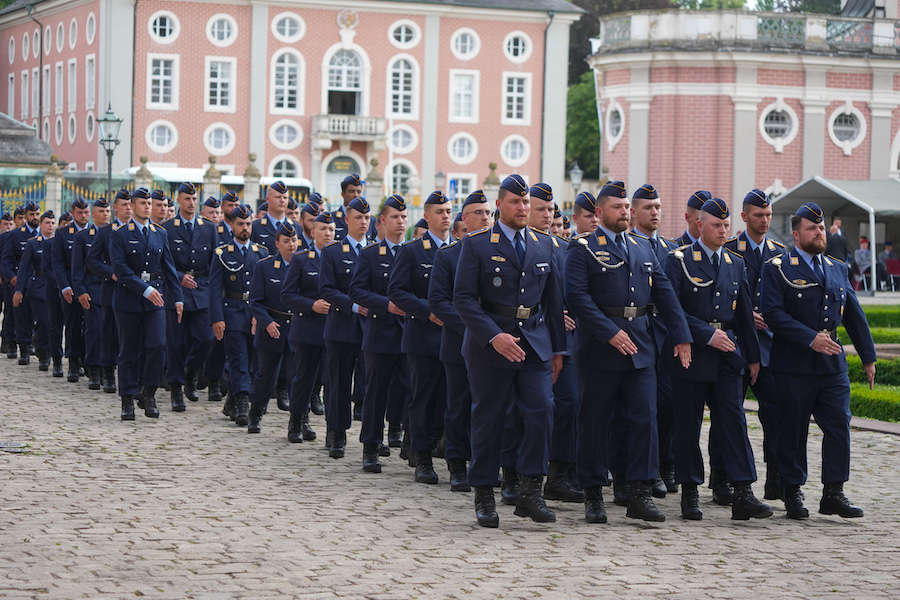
[
  {"x": 496, "y": 269},
  {"x": 523, "y": 273},
  {"x": 520, "y": 323},
  {"x": 301, "y": 314},
  {"x": 632, "y": 304},
  {"x": 826, "y": 319},
  {"x": 632, "y": 289},
  {"x": 826, "y": 308},
  {"x": 522, "y": 291},
  {"x": 716, "y": 307},
  {"x": 718, "y": 293}
]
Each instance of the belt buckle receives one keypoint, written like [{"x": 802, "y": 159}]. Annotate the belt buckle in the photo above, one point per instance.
[
  {"x": 245, "y": 296},
  {"x": 630, "y": 312},
  {"x": 523, "y": 312},
  {"x": 145, "y": 276},
  {"x": 716, "y": 325}
]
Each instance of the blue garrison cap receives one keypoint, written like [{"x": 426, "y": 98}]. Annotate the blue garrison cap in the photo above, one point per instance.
[
  {"x": 716, "y": 207},
  {"x": 613, "y": 189},
  {"x": 263, "y": 206},
  {"x": 123, "y": 194},
  {"x": 422, "y": 224},
  {"x": 187, "y": 188},
  {"x": 241, "y": 211},
  {"x": 292, "y": 204},
  {"x": 811, "y": 212},
  {"x": 314, "y": 198},
  {"x": 140, "y": 192},
  {"x": 645, "y": 192},
  {"x": 286, "y": 229},
  {"x": 757, "y": 198},
  {"x": 47, "y": 214},
  {"x": 100, "y": 203},
  {"x": 359, "y": 205},
  {"x": 157, "y": 195},
  {"x": 352, "y": 179},
  {"x": 310, "y": 209},
  {"x": 516, "y": 184},
  {"x": 565, "y": 222},
  {"x": 6, "y": 217},
  {"x": 436, "y": 197},
  {"x": 279, "y": 187},
  {"x": 543, "y": 191},
  {"x": 229, "y": 197},
  {"x": 324, "y": 217},
  {"x": 79, "y": 202},
  {"x": 586, "y": 201},
  {"x": 212, "y": 202},
  {"x": 396, "y": 201},
  {"x": 698, "y": 198},
  {"x": 20, "y": 211},
  {"x": 476, "y": 197},
  {"x": 30, "y": 206}
]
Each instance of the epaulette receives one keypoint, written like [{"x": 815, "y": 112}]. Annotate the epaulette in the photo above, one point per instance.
[
  {"x": 777, "y": 257},
  {"x": 639, "y": 235},
  {"x": 729, "y": 250},
  {"x": 152, "y": 227},
  {"x": 734, "y": 239},
  {"x": 780, "y": 245},
  {"x": 408, "y": 242},
  {"x": 539, "y": 231},
  {"x": 478, "y": 232},
  {"x": 115, "y": 226},
  {"x": 828, "y": 255},
  {"x": 255, "y": 247},
  {"x": 262, "y": 260},
  {"x": 450, "y": 245},
  {"x": 581, "y": 235},
  {"x": 682, "y": 248},
  {"x": 371, "y": 244},
  {"x": 332, "y": 244}
]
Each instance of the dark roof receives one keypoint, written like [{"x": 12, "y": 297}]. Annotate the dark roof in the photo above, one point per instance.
[
  {"x": 17, "y": 5},
  {"x": 858, "y": 8},
  {"x": 19, "y": 144}
]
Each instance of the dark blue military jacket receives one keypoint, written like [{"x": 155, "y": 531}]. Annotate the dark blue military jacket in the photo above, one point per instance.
[
  {"x": 336, "y": 270},
  {"x": 47, "y": 267},
  {"x": 299, "y": 293},
  {"x": 224, "y": 234},
  {"x": 440, "y": 301},
  {"x": 31, "y": 280},
  {"x": 796, "y": 307},
  {"x": 383, "y": 331},
  {"x": 266, "y": 303},
  {"x": 99, "y": 265},
  {"x": 139, "y": 263},
  {"x": 83, "y": 280},
  {"x": 339, "y": 217},
  {"x": 192, "y": 253},
  {"x": 661, "y": 249},
  {"x": 61, "y": 256},
  {"x": 708, "y": 297},
  {"x": 264, "y": 232},
  {"x": 13, "y": 248},
  {"x": 601, "y": 282},
  {"x": 489, "y": 275},
  {"x": 229, "y": 285}
]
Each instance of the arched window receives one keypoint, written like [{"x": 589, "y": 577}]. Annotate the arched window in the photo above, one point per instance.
[
  {"x": 403, "y": 88},
  {"x": 344, "y": 83},
  {"x": 400, "y": 175},
  {"x": 286, "y": 82},
  {"x": 284, "y": 168}
]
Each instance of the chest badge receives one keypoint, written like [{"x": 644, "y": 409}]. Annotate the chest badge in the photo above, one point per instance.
[
  {"x": 234, "y": 277},
  {"x": 382, "y": 251},
  {"x": 742, "y": 246},
  {"x": 697, "y": 256},
  {"x": 426, "y": 244},
  {"x": 497, "y": 282},
  {"x": 795, "y": 261}
]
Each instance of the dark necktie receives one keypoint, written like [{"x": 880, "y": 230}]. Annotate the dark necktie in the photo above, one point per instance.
[
  {"x": 244, "y": 251},
  {"x": 520, "y": 247},
  {"x": 358, "y": 248},
  {"x": 715, "y": 261},
  {"x": 394, "y": 250},
  {"x": 654, "y": 243},
  {"x": 620, "y": 242},
  {"x": 146, "y": 231},
  {"x": 189, "y": 225},
  {"x": 817, "y": 267}
]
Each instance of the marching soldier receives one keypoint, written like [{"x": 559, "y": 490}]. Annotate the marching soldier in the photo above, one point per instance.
[
  {"x": 584, "y": 213},
  {"x": 159, "y": 212},
  {"x": 756, "y": 249},
  {"x": 408, "y": 289},
  {"x": 711, "y": 284},
  {"x": 266, "y": 228},
  {"x": 229, "y": 309},
  {"x": 383, "y": 332},
  {"x": 8, "y": 332},
  {"x": 61, "y": 259},
  {"x": 343, "y": 325},
  {"x": 31, "y": 285},
  {"x": 53, "y": 304},
  {"x": 351, "y": 189},
  {"x": 691, "y": 215},
  {"x": 612, "y": 277},
  {"x": 192, "y": 241},
  {"x": 508, "y": 296},
  {"x": 301, "y": 295},
  {"x": 212, "y": 210},
  {"x": 142, "y": 263},
  {"x": 308, "y": 215},
  {"x": 215, "y": 360},
  {"x": 86, "y": 288},
  {"x": 13, "y": 248},
  {"x": 805, "y": 297}
]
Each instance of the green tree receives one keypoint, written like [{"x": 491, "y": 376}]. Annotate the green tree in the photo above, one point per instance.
[{"x": 582, "y": 130}]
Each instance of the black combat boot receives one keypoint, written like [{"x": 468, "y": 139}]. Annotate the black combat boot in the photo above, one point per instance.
[
  {"x": 658, "y": 488},
  {"x": 24, "y": 354},
  {"x": 667, "y": 473},
  {"x": 11, "y": 350},
  {"x": 177, "y": 398},
  {"x": 395, "y": 436},
  {"x": 294, "y": 436},
  {"x": 254, "y": 419},
  {"x": 620, "y": 491},
  {"x": 94, "y": 378},
  {"x": 371, "y": 464},
  {"x": 425, "y": 469},
  {"x": 594, "y": 511},
  {"x": 793, "y": 503},
  {"x": 531, "y": 503},
  {"x": 281, "y": 395},
  {"x": 109, "y": 380},
  {"x": 309, "y": 434},
  {"x": 690, "y": 502},
  {"x": 190, "y": 389},
  {"x": 509, "y": 489},
  {"x": 558, "y": 486},
  {"x": 834, "y": 502},
  {"x": 316, "y": 406},
  {"x": 127, "y": 408},
  {"x": 772, "y": 489},
  {"x": 43, "y": 362},
  {"x": 228, "y": 407},
  {"x": 383, "y": 450},
  {"x": 640, "y": 504},
  {"x": 241, "y": 409},
  {"x": 746, "y": 505},
  {"x": 338, "y": 444},
  {"x": 57, "y": 365},
  {"x": 150, "y": 409},
  {"x": 459, "y": 478},
  {"x": 723, "y": 492},
  {"x": 74, "y": 369},
  {"x": 214, "y": 391},
  {"x": 485, "y": 507}
]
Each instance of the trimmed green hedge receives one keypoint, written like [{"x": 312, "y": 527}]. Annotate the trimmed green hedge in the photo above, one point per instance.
[
  {"x": 881, "y": 403},
  {"x": 881, "y": 335},
  {"x": 883, "y": 316},
  {"x": 887, "y": 372}
]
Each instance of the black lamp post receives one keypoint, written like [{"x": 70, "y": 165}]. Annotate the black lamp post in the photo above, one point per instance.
[{"x": 109, "y": 138}]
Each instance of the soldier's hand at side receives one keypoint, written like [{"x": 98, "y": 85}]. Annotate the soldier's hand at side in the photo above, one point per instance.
[
  {"x": 754, "y": 372},
  {"x": 188, "y": 282},
  {"x": 155, "y": 298},
  {"x": 179, "y": 310},
  {"x": 721, "y": 341},
  {"x": 17, "y": 299},
  {"x": 569, "y": 321},
  {"x": 114, "y": 278},
  {"x": 434, "y": 319},
  {"x": 556, "y": 363},
  {"x": 759, "y": 321},
  {"x": 68, "y": 295},
  {"x": 362, "y": 311},
  {"x": 395, "y": 310},
  {"x": 272, "y": 330},
  {"x": 252, "y": 325},
  {"x": 85, "y": 301},
  {"x": 870, "y": 374},
  {"x": 823, "y": 344},
  {"x": 622, "y": 342},
  {"x": 683, "y": 352},
  {"x": 507, "y": 346},
  {"x": 12, "y": 281},
  {"x": 321, "y": 307},
  {"x": 219, "y": 329}
]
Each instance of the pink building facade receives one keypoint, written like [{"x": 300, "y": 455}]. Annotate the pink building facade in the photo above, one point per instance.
[
  {"x": 728, "y": 101},
  {"x": 315, "y": 89}
]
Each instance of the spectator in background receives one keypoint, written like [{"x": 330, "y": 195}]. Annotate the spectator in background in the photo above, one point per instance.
[
  {"x": 887, "y": 253},
  {"x": 862, "y": 263},
  {"x": 837, "y": 241}
]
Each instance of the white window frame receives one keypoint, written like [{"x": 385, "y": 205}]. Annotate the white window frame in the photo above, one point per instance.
[
  {"x": 161, "y": 149},
  {"x": 36, "y": 43},
  {"x": 89, "y": 165},
  {"x": 456, "y": 136},
  {"x": 176, "y": 76},
  {"x": 89, "y": 23},
  {"x": 413, "y": 115},
  {"x": 90, "y": 83},
  {"x": 25, "y": 93},
  {"x": 282, "y": 146},
  {"x": 521, "y": 161},
  {"x": 234, "y": 30},
  {"x": 365, "y": 83},
  {"x": 301, "y": 30},
  {"x": 413, "y": 174},
  {"x": 611, "y": 140},
  {"x": 73, "y": 33},
  {"x": 219, "y": 151},
  {"x": 526, "y": 109},
  {"x": 529, "y": 47},
  {"x": 412, "y": 146},
  {"x": 847, "y": 146},
  {"x": 59, "y": 86},
  {"x": 11, "y": 95},
  {"x": 778, "y": 143},
  {"x": 58, "y": 127},
  {"x": 12, "y": 49},
  {"x": 45, "y": 130},
  {"x": 473, "y": 184},
  {"x": 176, "y": 27},
  {"x": 276, "y": 159},
  {"x": 451, "y": 118},
  {"x": 26, "y": 46},
  {"x": 417, "y": 34},
  {"x": 48, "y": 40},
  {"x": 232, "y": 89},
  {"x": 476, "y": 47},
  {"x": 35, "y": 92},
  {"x": 72, "y": 84},
  {"x": 89, "y": 131},
  {"x": 69, "y": 128},
  {"x": 301, "y": 81},
  {"x": 47, "y": 79},
  {"x": 60, "y": 36}
]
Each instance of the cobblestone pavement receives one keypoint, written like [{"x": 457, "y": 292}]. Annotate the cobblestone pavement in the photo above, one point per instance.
[{"x": 190, "y": 506}]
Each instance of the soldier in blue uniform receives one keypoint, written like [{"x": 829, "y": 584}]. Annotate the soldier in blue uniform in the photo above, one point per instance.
[
  {"x": 212, "y": 210},
  {"x": 476, "y": 214},
  {"x": 408, "y": 289},
  {"x": 343, "y": 325},
  {"x": 691, "y": 215},
  {"x": 612, "y": 277},
  {"x": 508, "y": 296},
  {"x": 12, "y": 256},
  {"x": 192, "y": 241},
  {"x": 61, "y": 261},
  {"x": 711, "y": 284},
  {"x": 229, "y": 309},
  {"x": 584, "y": 213},
  {"x": 142, "y": 263},
  {"x": 215, "y": 360},
  {"x": 308, "y": 215},
  {"x": 805, "y": 298},
  {"x": 301, "y": 295},
  {"x": 159, "y": 212},
  {"x": 8, "y": 332},
  {"x": 98, "y": 263},
  {"x": 383, "y": 331},
  {"x": 351, "y": 189},
  {"x": 53, "y": 304},
  {"x": 31, "y": 285},
  {"x": 86, "y": 288},
  {"x": 756, "y": 249}
]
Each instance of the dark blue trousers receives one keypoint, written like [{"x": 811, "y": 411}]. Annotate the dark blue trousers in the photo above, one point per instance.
[
  {"x": 142, "y": 349},
  {"x": 215, "y": 361},
  {"x": 24, "y": 318},
  {"x": 566, "y": 405},
  {"x": 73, "y": 316},
  {"x": 530, "y": 390},
  {"x": 269, "y": 366},
  {"x": 41, "y": 336},
  {"x": 307, "y": 359},
  {"x": 56, "y": 319},
  {"x": 109, "y": 347},
  {"x": 457, "y": 416},
  {"x": 188, "y": 343},
  {"x": 767, "y": 397},
  {"x": 827, "y": 398},
  {"x": 238, "y": 354},
  {"x": 341, "y": 359},
  {"x": 427, "y": 401},
  {"x": 93, "y": 335},
  {"x": 665, "y": 415},
  {"x": 727, "y": 423},
  {"x": 8, "y": 331},
  {"x": 359, "y": 380},
  {"x": 627, "y": 398},
  {"x": 380, "y": 374},
  {"x": 398, "y": 398}
]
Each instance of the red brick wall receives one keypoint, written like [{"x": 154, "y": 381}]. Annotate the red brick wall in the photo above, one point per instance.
[
  {"x": 855, "y": 166},
  {"x": 692, "y": 74},
  {"x": 792, "y": 77},
  {"x": 837, "y": 79},
  {"x": 787, "y": 165},
  {"x": 618, "y": 76}
]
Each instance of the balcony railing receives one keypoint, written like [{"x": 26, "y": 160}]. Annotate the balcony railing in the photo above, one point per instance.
[
  {"x": 349, "y": 127},
  {"x": 685, "y": 29}
]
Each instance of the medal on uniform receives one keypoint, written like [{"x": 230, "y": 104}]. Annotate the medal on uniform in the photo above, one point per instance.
[
  {"x": 497, "y": 281},
  {"x": 234, "y": 277}
]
